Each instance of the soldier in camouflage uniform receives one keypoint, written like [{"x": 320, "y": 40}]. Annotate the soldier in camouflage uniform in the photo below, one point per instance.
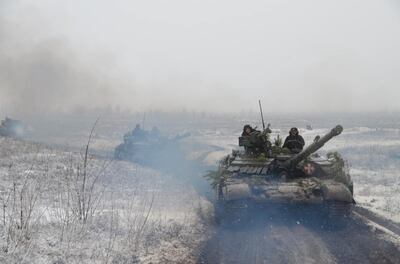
[
  {"x": 294, "y": 142},
  {"x": 258, "y": 141}
]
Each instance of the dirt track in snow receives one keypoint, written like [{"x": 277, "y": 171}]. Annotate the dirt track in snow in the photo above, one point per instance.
[{"x": 302, "y": 236}]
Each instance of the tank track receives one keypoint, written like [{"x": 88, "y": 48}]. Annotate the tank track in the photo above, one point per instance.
[
  {"x": 232, "y": 214},
  {"x": 338, "y": 209}
]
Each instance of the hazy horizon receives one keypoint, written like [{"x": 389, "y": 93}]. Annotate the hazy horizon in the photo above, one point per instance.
[{"x": 212, "y": 56}]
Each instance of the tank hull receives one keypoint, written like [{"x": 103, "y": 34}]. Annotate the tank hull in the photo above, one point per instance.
[
  {"x": 309, "y": 190},
  {"x": 248, "y": 182}
]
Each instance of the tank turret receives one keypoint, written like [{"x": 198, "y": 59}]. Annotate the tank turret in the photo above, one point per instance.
[{"x": 318, "y": 143}]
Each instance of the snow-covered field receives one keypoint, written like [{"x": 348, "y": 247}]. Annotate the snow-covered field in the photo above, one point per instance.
[
  {"x": 56, "y": 209},
  {"x": 370, "y": 143},
  {"x": 125, "y": 213}
]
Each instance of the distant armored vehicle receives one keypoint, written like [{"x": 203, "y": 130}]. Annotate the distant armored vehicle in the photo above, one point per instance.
[
  {"x": 12, "y": 128},
  {"x": 278, "y": 176},
  {"x": 150, "y": 148}
]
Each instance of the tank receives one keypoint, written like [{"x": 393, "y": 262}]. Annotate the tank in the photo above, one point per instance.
[
  {"x": 150, "y": 148},
  {"x": 12, "y": 128},
  {"x": 247, "y": 178}
]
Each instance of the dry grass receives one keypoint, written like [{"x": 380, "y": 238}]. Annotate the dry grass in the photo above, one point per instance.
[{"x": 63, "y": 207}]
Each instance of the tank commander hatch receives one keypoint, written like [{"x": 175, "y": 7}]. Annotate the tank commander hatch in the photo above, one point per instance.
[{"x": 294, "y": 142}]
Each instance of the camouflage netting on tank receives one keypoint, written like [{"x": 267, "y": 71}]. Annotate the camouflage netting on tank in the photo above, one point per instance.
[{"x": 215, "y": 177}]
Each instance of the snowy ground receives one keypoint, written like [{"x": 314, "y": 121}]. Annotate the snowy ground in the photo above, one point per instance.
[
  {"x": 115, "y": 212},
  {"x": 173, "y": 227},
  {"x": 370, "y": 142}
]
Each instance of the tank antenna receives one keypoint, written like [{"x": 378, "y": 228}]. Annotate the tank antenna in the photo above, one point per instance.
[{"x": 262, "y": 116}]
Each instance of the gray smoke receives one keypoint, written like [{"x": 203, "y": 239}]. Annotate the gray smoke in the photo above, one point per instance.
[
  {"x": 41, "y": 75},
  {"x": 48, "y": 78},
  {"x": 295, "y": 55}
]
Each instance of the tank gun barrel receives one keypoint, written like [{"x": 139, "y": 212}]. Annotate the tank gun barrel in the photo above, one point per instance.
[{"x": 316, "y": 145}]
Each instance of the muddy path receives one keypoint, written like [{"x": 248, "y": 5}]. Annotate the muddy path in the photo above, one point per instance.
[{"x": 299, "y": 235}]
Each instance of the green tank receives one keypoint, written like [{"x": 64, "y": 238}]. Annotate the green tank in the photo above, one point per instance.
[
  {"x": 246, "y": 178},
  {"x": 150, "y": 148}
]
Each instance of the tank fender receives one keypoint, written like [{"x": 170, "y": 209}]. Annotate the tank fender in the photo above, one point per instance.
[
  {"x": 336, "y": 192},
  {"x": 236, "y": 192}
]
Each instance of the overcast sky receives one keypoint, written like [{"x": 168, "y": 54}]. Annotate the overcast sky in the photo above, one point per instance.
[{"x": 204, "y": 55}]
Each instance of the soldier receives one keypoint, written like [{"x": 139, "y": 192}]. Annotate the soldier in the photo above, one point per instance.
[
  {"x": 294, "y": 142},
  {"x": 247, "y": 130},
  {"x": 257, "y": 141}
]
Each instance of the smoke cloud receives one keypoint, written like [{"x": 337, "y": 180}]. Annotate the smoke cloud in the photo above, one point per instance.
[
  {"x": 43, "y": 75},
  {"x": 214, "y": 56}
]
